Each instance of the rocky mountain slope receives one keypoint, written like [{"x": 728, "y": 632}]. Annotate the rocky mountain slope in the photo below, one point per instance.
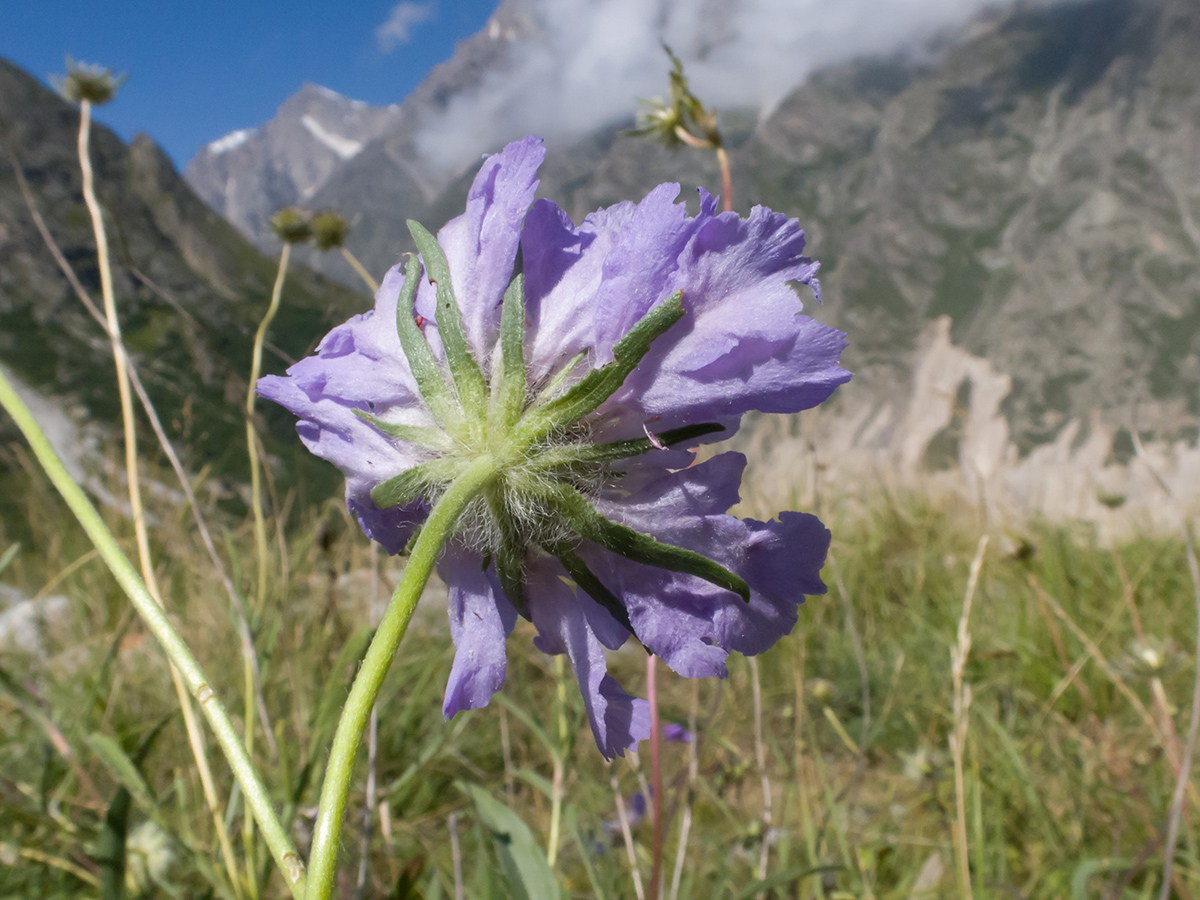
[
  {"x": 1037, "y": 180},
  {"x": 190, "y": 289},
  {"x": 249, "y": 174}
]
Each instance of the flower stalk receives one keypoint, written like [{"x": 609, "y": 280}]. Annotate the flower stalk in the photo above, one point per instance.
[
  {"x": 100, "y": 88},
  {"x": 177, "y": 651},
  {"x": 290, "y": 232},
  {"x": 331, "y": 810}
]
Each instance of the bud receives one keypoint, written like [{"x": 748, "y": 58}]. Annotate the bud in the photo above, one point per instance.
[
  {"x": 88, "y": 81},
  {"x": 292, "y": 225},
  {"x": 329, "y": 230}
]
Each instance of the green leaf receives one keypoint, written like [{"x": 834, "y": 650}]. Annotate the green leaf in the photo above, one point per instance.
[
  {"x": 333, "y": 695},
  {"x": 1090, "y": 867},
  {"x": 779, "y": 879},
  {"x": 508, "y": 392},
  {"x": 110, "y": 847},
  {"x": 468, "y": 378},
  {"x": 531, "y": 723},
  {"x": 539, "y": 782},
  {"x": 585, "y": 855},
  {"x": 110, "y": 844},
  {"x": 122, "y": 768},
  {"x": 599, "y": 384},
  {"x": 9, "y": 555},
  {"x": 412, "y": 484},
  {"x": 510, "y": 557},
  {"x": 529, "y": 875},
  {"x": 575, "y": 454},
  {"x": 438, "y": 397},
  {"x": 591, "y": 585},
  {"x": 623, "y": 540},
  {"x": 433, "y": 438},
  {"x": 550, "y": 390}
]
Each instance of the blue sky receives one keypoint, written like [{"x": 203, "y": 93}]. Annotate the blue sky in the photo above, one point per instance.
[{"x": 198, "y": 70}]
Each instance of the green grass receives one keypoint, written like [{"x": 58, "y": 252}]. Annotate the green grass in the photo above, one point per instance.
[{"x": 1067, "y": 788}]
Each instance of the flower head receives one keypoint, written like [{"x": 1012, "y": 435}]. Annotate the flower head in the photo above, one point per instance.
[
  {"x": 88, "y": 81},
  {"x": 329, "y": 230},
  {"x": 578, "y": 367},
  {"x": 292, "y": 225},
  {"x": 682, "y": 120}
]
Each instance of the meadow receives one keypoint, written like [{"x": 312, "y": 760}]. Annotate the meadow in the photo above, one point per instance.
[
  {"x": 974, "y": 709},
  {"x": 1079, "y": 673}
]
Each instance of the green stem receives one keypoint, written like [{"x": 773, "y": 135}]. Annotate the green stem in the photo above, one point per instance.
[
  {"x": 156, "y": 620},
  {"x": 436, "y": 531},
  {"x": 260, "y": 524},
  {"x": 260, "y": 542}
]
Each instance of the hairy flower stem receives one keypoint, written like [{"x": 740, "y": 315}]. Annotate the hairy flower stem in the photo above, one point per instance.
[
  {"x": 177, "y": 651},
  {"x": 331, "y": 811},
  {"x": 137, "y": 511}
]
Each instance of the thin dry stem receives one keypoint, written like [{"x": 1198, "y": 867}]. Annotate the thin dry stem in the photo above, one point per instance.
[
  {"x": 685, "y": 824},
  {"x": 510, "y": 778},
  {"x": 962, "y": 707},
  {"x": 556, "y": 781},
  {"x": 760, "y": 758},
  {"x": 137, "y": 511},
  {"x": 260, "y": 524},
  {"x": 1183, "y": 782},
  {"x": 361, "y": 270},
  {"x": 656, "y": 846},
  {"x": 456, "y": 856},
  {"x": 160, "y": 433},
  {"x": 1171, "y": 750},
  {"x": 726, "y": 179},
  {"x": 627, "y": 834}
]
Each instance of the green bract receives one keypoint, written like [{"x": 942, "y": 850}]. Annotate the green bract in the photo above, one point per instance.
[{"x": 535, "y": 443}]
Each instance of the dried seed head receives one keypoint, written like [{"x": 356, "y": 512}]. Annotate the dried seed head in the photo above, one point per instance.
[
  {"x": 292, "y": 225},
  {"x": 329, "y": 230},
  {"x": 88, "y": 81}
]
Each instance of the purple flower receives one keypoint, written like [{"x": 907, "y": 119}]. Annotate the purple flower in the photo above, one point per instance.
[
  {"x": 584, "y": 364},
  {"x": 674, "y": 733}
]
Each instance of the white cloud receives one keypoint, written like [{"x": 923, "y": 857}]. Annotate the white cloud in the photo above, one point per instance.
[
  {"x": 587, "y": 61},
  {"x": 398, "y": 28}
]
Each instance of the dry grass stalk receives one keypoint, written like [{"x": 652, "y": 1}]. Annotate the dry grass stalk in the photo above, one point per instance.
[
  {"x": 121, "y": 360},
  {"x": 962, "y": 706},
  {"x": 164, "y": 442},
  {"x": 627, "y": 834},
  {"x": 760, "y": 758},
  {"x": 685, "y": 825}
]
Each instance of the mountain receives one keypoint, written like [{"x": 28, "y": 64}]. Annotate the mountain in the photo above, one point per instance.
[
  {"x": 1035, "y": 179},
  {"x": 190, "y": 289},
  {"x": 381, "y": 173},
  {"x": 249, "y": 174}
]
